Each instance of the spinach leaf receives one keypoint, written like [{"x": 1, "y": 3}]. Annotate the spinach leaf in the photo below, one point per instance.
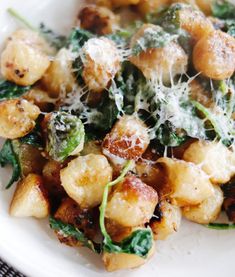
[
  {"x": 168, "y": 137},
  {"x": 71, "y": 231},
  {"x": 221, "y": 124},
  {"x": 34, "y": 138},
  {"x": 169, "y": 19},
  {"x": 57, "y": 41},
  {"x": 121, "y": 37},
  {"x": 9, "y": 90},
  {"x": 152, "y": 38},
  {"x": 230, "y": 27},
  {"x": 139, "y": 242},
  {"x": 9, "y": 157},
  {"x": 100, "y": 118},
  {"x": 107, "y": 114},
  {"x": 220, "y": 226},
  {"x": 223, "y": 9},
  {"x": 78, "y": 37}
]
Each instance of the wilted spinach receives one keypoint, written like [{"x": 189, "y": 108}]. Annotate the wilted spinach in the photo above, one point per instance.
[
  {"x": 9, "y": 90},
  {"x": 220, "y": 226},
  {"x": 77, "y": 38},
  {"x": 8, "y": 156},
  {"x": 220, "y": 124},
  {"x": 167, "y": 136},
  {"x": 34, "y": 138},
  {"x": 69, "y": 230},
  {"x": 225, "y": 10},
  {"x": 152, "y": 38}
]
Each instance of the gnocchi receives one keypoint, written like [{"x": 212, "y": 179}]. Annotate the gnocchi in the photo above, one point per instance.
[
  {"x": 59, "y": 77},
  {"x": 30, "y": 198},
  {"x": 101, "y": 61},
  {"x": 214, "y": 55},
  {"x": 169, "y": 221},
  {"x": 134, "y": 199},
  {"x": 128, "y": 139},
  {"x": 163, "y": 63},
  {"x": 17, "y": 118},
  {"x": 214, "y": 158},
  {"x": 84, "y": 179},
  {"x": 23, "y": 60},
  {"x": 207, "y": 211},
  {"x": 187, "y": 184}
]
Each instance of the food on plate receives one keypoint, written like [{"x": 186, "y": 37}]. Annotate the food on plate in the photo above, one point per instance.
[{"x": 123, "y": 126}]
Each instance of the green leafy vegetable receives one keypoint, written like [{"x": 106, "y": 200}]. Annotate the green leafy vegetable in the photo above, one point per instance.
[
  {"x": 229, "y": 27},
  {"x": 168, "y": 137},
  {"x": 139, "y": 242},
  {"x": 65, "y": 135},
  {"x": 78, "y": 38},
  {"x": 57, "y": 41},
  {"x": 170, "y": 19},
  {"x": 173, "y": 117},
  {"x": 223, "y": 9},
  {"x": 152, "y": 38},
  {"x": 34, "y": 138},
  {"x": 121, "y": 37},
  {"x": 9, "y": 90},
  {"x": 220, "y": 226},
  {"x": 221, "y": 124},
  {"x": 69, "y": 230},
  {"x": 9, "y": 157},
  {"x": 100, "y": 118}
]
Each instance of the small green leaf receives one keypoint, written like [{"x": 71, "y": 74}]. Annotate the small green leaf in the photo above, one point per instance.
[
  {"x": 68, "y": 230},
  {"x": 223, "y": 132},
  {"x": 223, "y": 9},
  {"x": 168, "y": 137},
  {"x": 138, "y": 243},
  {"x": 152, "y": 38},
  {"x": 220, "y": 226},
  {"x": 78, "y": 38},
  {"x": 34, "y": 138},
  {"x": 170, "y": 19},
  {"x": 9, "y": 157},
  {"x": 9, "y": 90}
]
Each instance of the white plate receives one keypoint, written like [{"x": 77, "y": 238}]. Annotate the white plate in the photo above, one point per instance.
[{"x": 30, "y": 245}]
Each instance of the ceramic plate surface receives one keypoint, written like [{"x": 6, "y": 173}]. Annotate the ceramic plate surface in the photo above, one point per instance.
[{"x": 30, "y": 246}]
